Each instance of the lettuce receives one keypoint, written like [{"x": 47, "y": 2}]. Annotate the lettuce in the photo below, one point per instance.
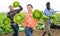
[
  {"x": 16, "y": 4},
  {"x": 37, "y": 14}
]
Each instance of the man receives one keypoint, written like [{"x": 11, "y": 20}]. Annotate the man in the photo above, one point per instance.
[
  {"x": 11, "y": 15},
  {"x": 48, "y": 12},
  {"x": 29, "y": 22}
]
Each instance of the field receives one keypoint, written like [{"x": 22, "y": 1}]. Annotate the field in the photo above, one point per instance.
[{"x": 55, "y": 32}]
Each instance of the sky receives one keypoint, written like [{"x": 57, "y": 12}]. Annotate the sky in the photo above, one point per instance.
[{"x": 37, "y": 4}]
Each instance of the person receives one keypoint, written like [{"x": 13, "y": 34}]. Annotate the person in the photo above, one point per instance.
[
  {"x": 48, "y": 12},
  {"x": 29, "y": 23},
  {"x": 11, "y": 15}
]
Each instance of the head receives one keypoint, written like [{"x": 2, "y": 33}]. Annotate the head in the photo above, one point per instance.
[
  {"x": 48, "y": 5},
  {"x": 29, "y": 7},
  {"x": 11, "y": 8}
]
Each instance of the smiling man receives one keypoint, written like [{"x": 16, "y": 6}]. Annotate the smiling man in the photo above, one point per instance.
[
  {"x": 11, "y": 15},
  {"x": 29, "y": 22}
]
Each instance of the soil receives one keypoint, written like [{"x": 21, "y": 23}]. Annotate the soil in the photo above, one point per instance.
[{"x": 55, "y": 32}]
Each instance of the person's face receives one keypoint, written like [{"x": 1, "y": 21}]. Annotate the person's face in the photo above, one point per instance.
[
  {"x": 29, "y": 8},
  {"x": 11, "y": 8},
  {"x": 48, "y": 6}
]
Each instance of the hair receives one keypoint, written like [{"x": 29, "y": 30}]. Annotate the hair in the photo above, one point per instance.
[
  {"x": 47, "y": 3},
  {"x": 10, "y": 5},
  {"x": 29, "y": 5}
]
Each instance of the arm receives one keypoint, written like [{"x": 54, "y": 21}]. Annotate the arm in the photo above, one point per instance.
[
  {"x": 53, "y": 12},
  {"x": 44, "y": 13},
  {"x": 18, "y": 10},
  {"x": 8, "y": 15}
]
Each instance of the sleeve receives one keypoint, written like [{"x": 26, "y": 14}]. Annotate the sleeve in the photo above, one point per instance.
[
  {"x": 44, "y": 12},
  {"x": 8, "y": 15},
  {"x": 53, "y": 11},
  {"x": 18, "y": 10}
]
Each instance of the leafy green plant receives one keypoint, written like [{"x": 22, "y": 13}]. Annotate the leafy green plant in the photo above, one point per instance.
[
  {"x": 16, "y": 4},
  {"x": 37, "y": 14},
  {"x": 19, "y": 18}
]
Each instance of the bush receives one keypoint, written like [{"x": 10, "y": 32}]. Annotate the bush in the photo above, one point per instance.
[{"x": 5, "y": 27}]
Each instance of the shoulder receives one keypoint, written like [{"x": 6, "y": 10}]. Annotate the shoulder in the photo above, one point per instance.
[
  {"x": 15, "y": 9},
  {"x": 51, "y": 9},
  {"x": 8, "y": 13},
  {"x": 45, "y": 9}
]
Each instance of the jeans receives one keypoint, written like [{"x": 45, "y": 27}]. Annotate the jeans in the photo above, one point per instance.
[
  {"x": 28, "y": 31},
  {"x": 15, "y": 29}
]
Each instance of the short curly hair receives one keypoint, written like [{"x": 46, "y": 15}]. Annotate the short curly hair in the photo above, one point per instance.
[
  {"x": 47, "y": 3},
  {"x": 29, "y": 5}
]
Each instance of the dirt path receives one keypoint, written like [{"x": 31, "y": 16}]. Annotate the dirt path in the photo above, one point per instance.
[{"x": 55, "y": 32}]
